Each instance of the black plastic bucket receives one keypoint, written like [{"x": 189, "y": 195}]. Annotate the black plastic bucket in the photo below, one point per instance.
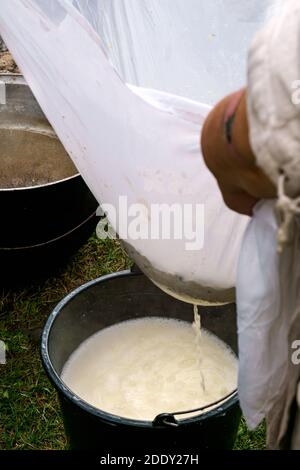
[{"x": 102, "y": 303}]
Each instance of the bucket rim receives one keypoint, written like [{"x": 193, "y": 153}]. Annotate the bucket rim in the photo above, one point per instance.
[{"x": 67, "y": 393}]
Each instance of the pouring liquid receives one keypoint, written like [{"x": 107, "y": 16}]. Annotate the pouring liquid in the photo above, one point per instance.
[{"x": 197, "y": 328}]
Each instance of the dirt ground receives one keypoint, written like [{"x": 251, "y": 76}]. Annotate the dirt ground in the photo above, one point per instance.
[{"x": 7, "y": 63}]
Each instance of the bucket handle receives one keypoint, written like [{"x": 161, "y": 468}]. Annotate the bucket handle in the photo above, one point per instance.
[{"x": 169, "y": 420}]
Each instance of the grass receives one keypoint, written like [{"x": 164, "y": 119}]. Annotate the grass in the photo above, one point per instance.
[
  {"x": 247, "y": 440},
  {"x": 29, "y": 410}
]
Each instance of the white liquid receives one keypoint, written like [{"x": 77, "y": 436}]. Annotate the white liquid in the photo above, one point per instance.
[
  {"x": 198, "y": 339},
  {"x": 141, "y": 368}
]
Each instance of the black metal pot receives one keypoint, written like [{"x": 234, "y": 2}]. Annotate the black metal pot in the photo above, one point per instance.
[
  {"x": 47, "y": 211},
  {"x": 102, "y": 303}
]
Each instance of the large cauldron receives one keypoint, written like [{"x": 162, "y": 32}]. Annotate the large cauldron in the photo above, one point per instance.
[
  {"x": 47, "y": 211},
  {"x": 110, "y": 300}
]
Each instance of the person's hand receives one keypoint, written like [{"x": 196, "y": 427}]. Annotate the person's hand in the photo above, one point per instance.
[{"x": 241, "y": 181}]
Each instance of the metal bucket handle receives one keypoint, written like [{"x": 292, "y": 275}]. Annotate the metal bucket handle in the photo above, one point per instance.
[{"x": 169, "y": 420}]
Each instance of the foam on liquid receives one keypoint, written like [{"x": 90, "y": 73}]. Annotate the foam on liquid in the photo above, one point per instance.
[{"x": 141, "y": 368}]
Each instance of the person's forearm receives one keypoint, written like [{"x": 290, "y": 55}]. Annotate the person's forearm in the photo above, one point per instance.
[{"x": 241, "y": 181}]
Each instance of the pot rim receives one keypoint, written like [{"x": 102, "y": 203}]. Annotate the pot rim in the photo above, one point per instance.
[
  {"x": 75, "y": 399},
  {"x": 40, "y": 186},
  {"x": 18, "y": 79},
  {"x": 53, "y": 240}
]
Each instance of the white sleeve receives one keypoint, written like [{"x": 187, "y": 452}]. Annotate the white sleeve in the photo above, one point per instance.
[{"x": 274, "y": 96}]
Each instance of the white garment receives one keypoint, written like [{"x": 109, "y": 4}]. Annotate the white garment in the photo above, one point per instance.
[
  {"x": 261, "y": 358},
  {"x": 268, "y": 282},
  {"x": 268, "y": 299},
  {"x": 274, "y": 96}
]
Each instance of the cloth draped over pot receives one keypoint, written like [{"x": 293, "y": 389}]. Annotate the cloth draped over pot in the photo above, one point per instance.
[{"x": 135, "y": 142}]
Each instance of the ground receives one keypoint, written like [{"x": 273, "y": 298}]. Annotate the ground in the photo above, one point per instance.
[
  {"x": 7, "y": 63},
  {"x": 29, "y": 410}
]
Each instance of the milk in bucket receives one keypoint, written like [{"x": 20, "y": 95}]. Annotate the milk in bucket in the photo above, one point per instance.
[{"x": 141, "y": 368}]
